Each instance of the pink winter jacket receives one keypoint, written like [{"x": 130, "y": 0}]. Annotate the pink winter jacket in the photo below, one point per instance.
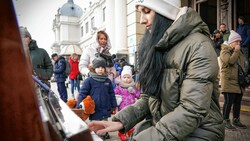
[{"x": 129, "y": 95}]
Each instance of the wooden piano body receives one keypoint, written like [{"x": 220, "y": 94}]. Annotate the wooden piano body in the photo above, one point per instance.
[{"x": 24, "y": 112}]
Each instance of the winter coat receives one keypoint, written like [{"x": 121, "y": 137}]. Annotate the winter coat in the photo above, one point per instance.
[
  {"x": 189, "y": 105},
  {"x": 118, "y": 68},
  {"x": 217, "y": 45},
  {"x": 59, "y": 70},
  {"x": 225, "y": 35},
  {"x": 102, "y": 93},
  {"x": 86, "y": 60},
  {"x": 229, "y": 69},
  {"x": 128, "y": 92},
  {"x": 244, "y": 31},
  {"x": 74, "y": 70},
  {"x": 41, "y": 62}
]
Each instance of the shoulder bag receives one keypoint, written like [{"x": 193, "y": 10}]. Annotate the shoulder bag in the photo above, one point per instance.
[{"x": 243, "y": 78}]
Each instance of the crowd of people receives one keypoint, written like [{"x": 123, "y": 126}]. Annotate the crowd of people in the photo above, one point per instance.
[
  {"x": 232, "y": 48},
  {"x": 176, "y": 94},
  {"x": 178, "y": 79},
  {"x": 107, "y": 76}
]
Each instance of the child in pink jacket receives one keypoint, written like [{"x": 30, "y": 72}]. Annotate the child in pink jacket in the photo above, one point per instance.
[{"x": 126, "y": 88}]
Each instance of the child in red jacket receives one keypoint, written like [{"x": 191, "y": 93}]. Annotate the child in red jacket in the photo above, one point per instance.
[{"x": 74, "y": 72}]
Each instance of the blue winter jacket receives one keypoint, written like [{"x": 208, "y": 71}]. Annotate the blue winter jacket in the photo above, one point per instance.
[
  {"x": 244, "y": 31},
  {"x": 59, "y": 68},
  {"x": 103, "y": 95}
]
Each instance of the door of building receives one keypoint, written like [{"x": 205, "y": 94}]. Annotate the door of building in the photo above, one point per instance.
[
  {"x": 242, "y": 8},
  {"x": 207, "y": 9}
]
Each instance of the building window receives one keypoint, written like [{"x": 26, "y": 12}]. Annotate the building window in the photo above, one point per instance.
[
  {"x": 81, "y": 31},
  {"x": 92, "y": 22},
  {"x": 87, "y": 27},
  {"x": 103, "y": 14}
]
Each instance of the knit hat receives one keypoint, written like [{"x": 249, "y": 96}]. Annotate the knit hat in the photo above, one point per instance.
[
  {"x": 126, "y": 70},
  {"x": 24, "y": 32},
  {"x": 234, "y": 36},
  {"x": 53, "y": 55},
  {"x": 216, "y": 31},
  {"x": 99, "y": 62},
  {"x": 167, "y": 8}
]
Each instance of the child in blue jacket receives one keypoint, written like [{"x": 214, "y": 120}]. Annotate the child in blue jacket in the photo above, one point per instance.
[{"x": 100, "y": 88}]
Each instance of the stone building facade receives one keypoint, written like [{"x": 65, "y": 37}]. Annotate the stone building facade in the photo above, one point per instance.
[{"x": 121, "y": 21}]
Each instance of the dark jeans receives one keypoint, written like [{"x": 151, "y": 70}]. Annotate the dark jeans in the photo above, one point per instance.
[
  {"x": 62, "y": 91},
  {"x": 229, "y": 100}
]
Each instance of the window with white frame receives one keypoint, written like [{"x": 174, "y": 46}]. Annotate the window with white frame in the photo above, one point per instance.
[
  {"x": 86, "y": 27},
  {"x": 103, "y": 14},
  {"x": 81, "y": 31},
  {"x": 92, "y": 22}
]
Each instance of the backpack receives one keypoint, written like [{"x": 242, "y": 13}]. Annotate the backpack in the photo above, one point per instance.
[{"x": 67, "y": 69}]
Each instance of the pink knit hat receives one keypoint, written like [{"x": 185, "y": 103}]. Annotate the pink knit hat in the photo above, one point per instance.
[{"x": 234, "y": 36}]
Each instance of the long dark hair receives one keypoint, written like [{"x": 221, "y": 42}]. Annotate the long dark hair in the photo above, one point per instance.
[{"x": 150, "y": 60}]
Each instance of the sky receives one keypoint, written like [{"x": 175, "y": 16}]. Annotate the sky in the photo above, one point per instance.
[{"x": 38, "y": 15}]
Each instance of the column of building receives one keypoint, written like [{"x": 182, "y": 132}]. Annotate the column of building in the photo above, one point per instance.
[
  {"x": 110, "y": 22},
  {"x": 121, "y": 27}
]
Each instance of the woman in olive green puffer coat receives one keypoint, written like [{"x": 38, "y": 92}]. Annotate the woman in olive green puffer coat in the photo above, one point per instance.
[{"x": 178, "y": 76}]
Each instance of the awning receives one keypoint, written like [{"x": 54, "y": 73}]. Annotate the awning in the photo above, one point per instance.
[{"x": 70, "y": 49}]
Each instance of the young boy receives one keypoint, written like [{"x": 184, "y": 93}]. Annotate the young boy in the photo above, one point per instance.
[{"x": 100, "y": 88}]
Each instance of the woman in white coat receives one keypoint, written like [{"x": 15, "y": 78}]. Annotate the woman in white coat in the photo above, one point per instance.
[{"x": 103, "y": 46}]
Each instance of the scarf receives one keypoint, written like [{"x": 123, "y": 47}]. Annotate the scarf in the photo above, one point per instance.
[
  {"x": 103, "y": 50},
  {"x": 100, "y": 78},
  {"x": 126, "y": 85}
]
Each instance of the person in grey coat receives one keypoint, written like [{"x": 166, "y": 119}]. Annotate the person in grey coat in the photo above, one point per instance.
[
  {"x": 178, "y": 77},
  {"x": 41, "y": 63}
]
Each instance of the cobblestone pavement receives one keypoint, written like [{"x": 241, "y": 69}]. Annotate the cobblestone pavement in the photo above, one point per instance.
[
  {"x": 240, "y": 134},
  {"x": 230, "y": 135}
]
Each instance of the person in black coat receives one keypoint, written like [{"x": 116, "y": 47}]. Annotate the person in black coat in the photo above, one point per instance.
[{"x": 217, "y": 40}]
